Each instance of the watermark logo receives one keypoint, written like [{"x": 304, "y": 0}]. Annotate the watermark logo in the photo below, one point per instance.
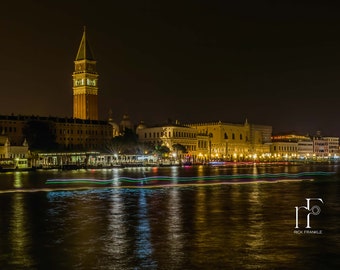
[{"x": 308, "y": 210}]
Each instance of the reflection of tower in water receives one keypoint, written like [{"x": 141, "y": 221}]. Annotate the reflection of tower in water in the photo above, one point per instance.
[{"x": 118, "y": 245}]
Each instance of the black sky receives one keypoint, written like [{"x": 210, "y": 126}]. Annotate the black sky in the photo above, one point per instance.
[{"x": 273, "y": 62}]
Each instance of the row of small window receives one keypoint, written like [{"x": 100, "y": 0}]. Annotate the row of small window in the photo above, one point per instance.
[
  {"x": 202, "y": 144},
  {"x": 12, "y": 156},
  {"x": 79, "y": 139},
  {"x": 187, "y": 147},
  {"x": 82, "y": 146},
  {"x": 61, "y": 131},
  {"x": 320, "y": 143},
  {"x": 80, "y": 131},
  {"x": 8, "y": 129},
  {"x": 285, "y": 148},
  {"x": 233, "y": 137},
  {"x": 176, "y": 134}
]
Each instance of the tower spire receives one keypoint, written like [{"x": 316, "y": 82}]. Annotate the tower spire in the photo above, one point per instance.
[{"x": 84, "y": 52}]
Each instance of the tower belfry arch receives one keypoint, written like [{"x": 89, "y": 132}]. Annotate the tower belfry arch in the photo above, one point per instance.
[{"x": 85, "y": 82}]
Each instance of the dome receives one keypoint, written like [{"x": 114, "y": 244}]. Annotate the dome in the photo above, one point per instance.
[
  {"x": 115, "y": 128},
  {"x": 141, "y": 125},
  {"x": 126, "y": 123}
]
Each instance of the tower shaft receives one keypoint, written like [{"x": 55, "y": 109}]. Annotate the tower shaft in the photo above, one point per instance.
[{"x": 85, "y": 83}]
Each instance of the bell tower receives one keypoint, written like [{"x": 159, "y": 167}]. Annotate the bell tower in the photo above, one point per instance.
[{"x": 85, "y": 83}]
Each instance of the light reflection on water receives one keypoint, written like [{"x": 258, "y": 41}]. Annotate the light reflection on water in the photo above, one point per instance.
[
  {"x": 191, "y": 227},
  {"x": 19, "y": 236},
  {"x": 174, "y": 228},
  {"x": 144, "y": 247},
  {"x": 17, "y": 180}
]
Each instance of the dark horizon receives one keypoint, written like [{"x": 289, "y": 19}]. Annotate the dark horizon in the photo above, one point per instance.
[{"x": 274, "y": 64}]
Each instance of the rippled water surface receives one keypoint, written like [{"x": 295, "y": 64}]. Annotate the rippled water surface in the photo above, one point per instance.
[{"x": 189, "y": 221}]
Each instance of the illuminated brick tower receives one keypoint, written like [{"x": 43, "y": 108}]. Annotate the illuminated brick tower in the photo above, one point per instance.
[{"x": 85, "y": 83}]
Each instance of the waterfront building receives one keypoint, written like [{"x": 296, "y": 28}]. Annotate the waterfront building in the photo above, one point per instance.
[
  {"x": 320, "y": 147},
  {"x": 333, "y": 146},
  {"x": 305, "y": 148},
  {"x": 170, "y": 135},
  {"x": 68, "y": 133},
  {"x": 85, "y": 83},
  {"x": 325, "y": 147},
  {"x": 78, "y": 134},
  {"x": 228, "y": 141},
  {"x": 7, "y": 150},
  {"x": 293, "y": 146},
  {"x": 211, "y": 141},
  {"x": 284, "y": 147},
  {"x": 12, "y": 127},
  {"x": 13, "y": 156}
]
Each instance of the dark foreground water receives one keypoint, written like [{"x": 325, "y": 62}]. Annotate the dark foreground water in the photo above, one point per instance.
[{"x": 240, "y": 217}]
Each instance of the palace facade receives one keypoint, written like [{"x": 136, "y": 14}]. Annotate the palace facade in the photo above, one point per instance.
[{"x": 211, "y": 141}]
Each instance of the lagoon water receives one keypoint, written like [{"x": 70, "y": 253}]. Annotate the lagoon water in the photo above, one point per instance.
[{"x": 199, "y": 217}]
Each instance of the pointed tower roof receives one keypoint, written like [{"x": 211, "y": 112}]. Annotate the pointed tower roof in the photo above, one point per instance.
[{"x": 84, "y": 51}]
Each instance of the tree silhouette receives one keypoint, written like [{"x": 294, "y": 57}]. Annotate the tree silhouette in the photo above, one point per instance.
[
  {"x": 161, "y": 150},
  {"x": 179, "y": 148},
  {"x": 39, "y": 135},
  {"x": 124, "y": 144}
]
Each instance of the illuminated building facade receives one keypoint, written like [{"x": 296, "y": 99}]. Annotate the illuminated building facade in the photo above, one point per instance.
[
  {"x": 85, "y": 83},
  {"x": 8, "y": 151},
  {"x": 292, "y": 147},
  {"x": 170, "y": 135},
  {"x": 13, "y": 156},
  {"x": 69, "y": 133},
  {"x": 227, "y": 141},
  {"x": 212, "y": 141},
  {"x": 333, "y": 145},
  {"x": 305, "y": 148}
]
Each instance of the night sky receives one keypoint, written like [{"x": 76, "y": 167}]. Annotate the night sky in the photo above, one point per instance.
[{"x": 273, "y": 62}]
